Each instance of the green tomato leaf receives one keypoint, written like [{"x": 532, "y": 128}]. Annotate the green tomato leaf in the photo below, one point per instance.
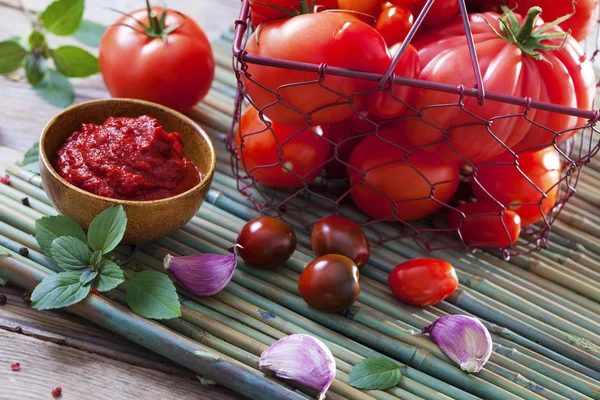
[
  {"x": 89, "y": 33},
  {"x": 107, "y": 229},
  {"x": 87, "y": 275},
  {"x": 62, "y": 17},
  {"x": 59, "y": 290},
  {"x": 35, "y": 69},
  {"x": 151, "y": 294},
  {"x": 49, "y": 228},
  {"x": 11, "y": 56},
  {"x": 70, "y": 253},
  {"x": 75, "y": 62},
  {"x": 37, "y": 39},
  {"x": 56, "y": 89},
  {"x": 96, "y": 258},
  {"x": 109, "y": 276},
  {"x": 375, "y": 373}
]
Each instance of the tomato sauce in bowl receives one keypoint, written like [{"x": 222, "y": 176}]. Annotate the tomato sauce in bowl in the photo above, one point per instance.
[{"x": 128, "y": 159}]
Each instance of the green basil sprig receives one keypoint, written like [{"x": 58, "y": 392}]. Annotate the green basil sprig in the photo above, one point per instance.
[
  {"x": 375, "y": 373},
  {"x": 33, "y": 53},
  {"x": 85, "y": 265}
]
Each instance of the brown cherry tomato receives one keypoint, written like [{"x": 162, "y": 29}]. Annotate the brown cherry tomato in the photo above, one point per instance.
[
  {"x": 423, "y": 281},
  {"x": 330, "y": 283},
  {"x": 266, "y": 242},
  {"x": 339, "y": 235}
]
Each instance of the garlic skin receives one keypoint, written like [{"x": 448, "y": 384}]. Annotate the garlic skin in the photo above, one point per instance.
[
  {"x": 462, "y": 338},
  {"x": 202, "y": 274},
  {"x": 303, "y": 359}
]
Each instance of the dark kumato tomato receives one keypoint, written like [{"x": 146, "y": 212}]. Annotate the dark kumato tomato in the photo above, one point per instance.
[
  {"x": 339, "y": 235},
  {"x": 266, "y": 242}
]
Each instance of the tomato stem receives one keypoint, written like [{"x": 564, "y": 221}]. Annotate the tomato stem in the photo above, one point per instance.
[{"x": 526, "y": 30}]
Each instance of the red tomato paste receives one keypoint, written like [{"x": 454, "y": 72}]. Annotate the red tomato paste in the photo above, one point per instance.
[{"x": 127, "y": 158}]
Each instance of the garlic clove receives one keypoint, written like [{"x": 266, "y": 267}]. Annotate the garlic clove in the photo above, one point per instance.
[
  {"x": 202, "y": 274},
  {"x": 462, "y": 338},
  {"x": 303, "y": 359}
]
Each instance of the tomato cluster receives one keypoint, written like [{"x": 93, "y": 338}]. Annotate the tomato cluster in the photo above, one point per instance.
[{"x": 402, "y": 149}]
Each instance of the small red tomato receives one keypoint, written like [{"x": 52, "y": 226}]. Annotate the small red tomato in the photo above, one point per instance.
[
  {"x": 394, "y": 23},
  {"x": 403, "y": 2},
  {"x": 266, "y": 242},
  {"x": 345, "y": 137},
  {"x": 339, "y": 235},
  {"x": 486, "y": 224},
  {"x": 440, "y": 12},
  {"x": 330, "y": 283},
  {"x": 423, "y": 281},
  {"x": 369, "y": 7}
]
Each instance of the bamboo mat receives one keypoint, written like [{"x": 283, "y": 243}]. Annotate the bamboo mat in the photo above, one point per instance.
[{"x": 543, "y": 309}]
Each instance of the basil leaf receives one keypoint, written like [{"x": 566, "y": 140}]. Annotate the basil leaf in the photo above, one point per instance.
[
  {"x": 151, "y": 294},
  {"x": 11, "y": 56},
  {"x": 35, "y": 69},
  {"x": 75, "y": 62},
  {"x": 87, "y": 276},
  {"x": 96, "y": 258},
  {"x": 56, "y": 89},
  {"x": 22, "y": 41},
  {"x": 109, "y": 276},
  {"x": 375, "y": 373},
  {"x": 70, "y": 253},
  {"x": 49, "y": 228},
  {"x": 62, "y": 17},
  {"x": 37, "y": 39},
  {"x": 107, "y": 229},
  {"x": 59, "y": 290},
  {"x": 33, "y": 151},
  {"x": 89, "y": 33}
]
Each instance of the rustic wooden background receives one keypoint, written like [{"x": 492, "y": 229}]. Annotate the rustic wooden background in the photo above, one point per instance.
[{"x": 54, "y": 348}]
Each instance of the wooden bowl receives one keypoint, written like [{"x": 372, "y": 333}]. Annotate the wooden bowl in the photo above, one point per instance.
[{"x": 146, "y": 220}]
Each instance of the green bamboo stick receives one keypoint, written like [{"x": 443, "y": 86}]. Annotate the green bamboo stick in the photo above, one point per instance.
[
  {"x": 25, "y": 187},
  {"x": 18, "y": 206}
]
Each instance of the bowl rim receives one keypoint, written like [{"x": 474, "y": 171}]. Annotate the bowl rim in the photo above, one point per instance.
[{"x": 206, "y": 178}]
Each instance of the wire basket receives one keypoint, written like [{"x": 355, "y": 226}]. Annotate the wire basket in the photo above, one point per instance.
[{"x": 335, "y": 184}]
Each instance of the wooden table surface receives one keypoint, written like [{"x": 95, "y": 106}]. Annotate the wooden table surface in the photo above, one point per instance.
[{"x": 56, "y": 348}]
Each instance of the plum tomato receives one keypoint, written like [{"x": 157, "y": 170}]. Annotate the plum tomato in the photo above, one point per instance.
[
  {"x": 423, "y": 282},
  {"x": 510, "y": 185},
  {"x": 330, "y": 283},
  {"x": 266, "y": 242},
  {"x": 339, "y": 235},
  {"x": 394, "y": 23},
  {"x": 280, "y": 156},
  {"x": 386, "y": 181},
  {"x": 485, "y": 223},
  {"x": 345, "y": 136}
]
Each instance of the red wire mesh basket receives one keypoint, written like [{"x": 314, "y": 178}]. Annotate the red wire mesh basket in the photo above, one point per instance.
[{"x": 336, "y": 184}]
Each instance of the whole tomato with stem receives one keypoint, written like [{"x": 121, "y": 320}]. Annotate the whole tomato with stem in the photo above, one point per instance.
[
  {"x": 330, "y": 283},
  {"x": 533, "y": 64},
  {"x": 531, "y": 189},
  {"x": 337, "y": 39},
  {"x": 340, "y": 235},
  {"x": 423, "y": 282},
  {"x": 393, "y": 103},
  {"x": 394, "y": 23},
  {"x": 440, "y": 12},
  {"x": 158, "y": 55},
  {"x": 278, "y": 155},
  {"x": 485, "y": 223},
  {"x": 266, "y": 242},
  {"x": 390, "y": 179}
]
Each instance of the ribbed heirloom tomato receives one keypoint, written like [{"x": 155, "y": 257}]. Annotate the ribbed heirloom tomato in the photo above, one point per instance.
[
  {"x": 508, "y": 68},
  {"x": 280, "y": 156},
  {"x": 171, "y": 64}
]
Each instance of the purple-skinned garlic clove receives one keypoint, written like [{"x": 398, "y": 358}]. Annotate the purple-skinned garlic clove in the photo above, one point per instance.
[
  {"x": 303, "y": 359},
  {"x": 462, "y": 338},
  {"x": 202, "y": 274}
]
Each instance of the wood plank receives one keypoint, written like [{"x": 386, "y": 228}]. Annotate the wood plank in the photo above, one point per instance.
[{"x": 46, "y": 365}]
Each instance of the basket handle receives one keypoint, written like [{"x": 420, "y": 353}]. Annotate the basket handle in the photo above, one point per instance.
[{"x": 467, "y": 25}]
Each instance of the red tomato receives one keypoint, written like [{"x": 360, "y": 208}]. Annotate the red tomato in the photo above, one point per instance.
[
  {"x": 176, "y": 72},
  {"x": 423, "y": 282},
  {"x": 505, "y": 69},
  {"x": 485, "y": 223},
  {"x": 345, "y": 138},
  {"x": 303, "y": 151},
  {"x": 440, "y": 12},
  {"x": 264, "y": 10},
  {"x": 396, "y": 179},
  {"x": 394, "y": 23},
  {"x": 369, "y": 7},
  {"x": 505, "y": 183},
  {"x": 402, "y": 2},
  {"x": 581, "y": 24},
  {"x": 327, "y": 37},
  {"x": 386, "y": 105}
]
